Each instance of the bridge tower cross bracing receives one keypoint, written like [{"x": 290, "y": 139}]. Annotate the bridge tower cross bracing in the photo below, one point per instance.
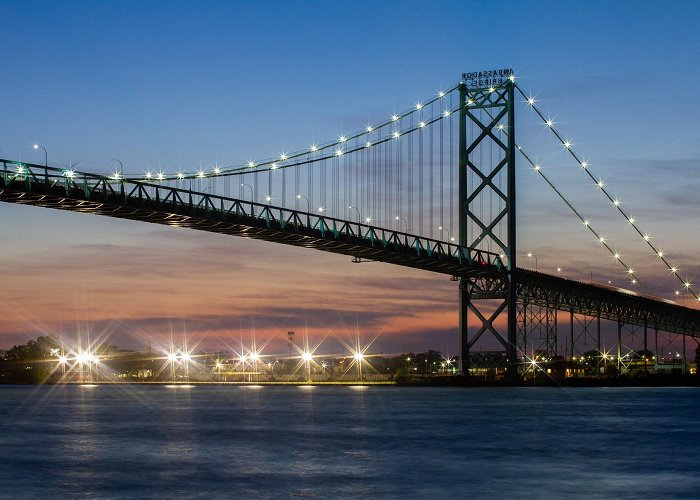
[{"x": 484, "y": 114}]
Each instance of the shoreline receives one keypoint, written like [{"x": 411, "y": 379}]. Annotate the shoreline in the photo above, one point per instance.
[{"x": 454, "y": 381}]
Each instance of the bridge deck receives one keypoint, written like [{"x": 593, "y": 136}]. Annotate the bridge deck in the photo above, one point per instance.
[
  {"x": 151, "y": 202},
  {"x": 162, "y": 204}
]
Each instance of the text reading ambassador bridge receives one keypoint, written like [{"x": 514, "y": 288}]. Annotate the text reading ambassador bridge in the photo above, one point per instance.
[{"x": 431, "y": 188}]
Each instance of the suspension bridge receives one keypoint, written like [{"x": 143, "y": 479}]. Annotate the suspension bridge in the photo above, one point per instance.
[{"x": 432, "y": 188}]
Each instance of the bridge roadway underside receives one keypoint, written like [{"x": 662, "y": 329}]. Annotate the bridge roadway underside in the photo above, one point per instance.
[{"x": 532, "y": 287}]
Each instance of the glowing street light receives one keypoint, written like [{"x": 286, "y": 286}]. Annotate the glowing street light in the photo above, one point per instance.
[
  {"x": 308, "y": 203},
  {"x": 121, "y": 167},
  {"x": 358, "y": 212},
  {"x": 46, "y": 154},
  {"x": 449, "y": 237},
  {"x": 402, "y": 219},
  {"x": 530, "y": 256}
]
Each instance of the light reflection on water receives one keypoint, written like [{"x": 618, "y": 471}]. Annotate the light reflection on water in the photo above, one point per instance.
[{"x": 117, "y": 441}]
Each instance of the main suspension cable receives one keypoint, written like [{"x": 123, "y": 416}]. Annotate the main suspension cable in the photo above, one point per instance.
[{"x": 615, "y": 201}]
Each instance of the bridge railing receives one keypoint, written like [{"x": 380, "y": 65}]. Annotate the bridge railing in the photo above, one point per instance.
[{"x": 122, "y": 190}]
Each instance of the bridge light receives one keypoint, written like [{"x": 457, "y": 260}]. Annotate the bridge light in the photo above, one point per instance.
[
  {"x": 584, "y": 164},
  {"x": 200, "y": 173},
  {"x": 321, "y": 209},
  {"x": 342, "y": 138},
  {"x": 634, "y": 281},
  {"x": 601, "y": 184},
  {"x": 273, "y": 166},
  {"x": 180, "y": 175},
  {"x": 251, "y": 164},
  {"x": 567, "y": 144},
  {"x": 314, "y": 148},
  {"x": 441, "y": 94},
  {"x": 586, "y": 222},
  {"x": 217, "y": 170},
  {"x": 35, "y": 146},
  {"x": 687, "y": 284},
  {"x": 511, "y": 77},
  {"x": 531, "y": 101},
  {"x": 470, "y": 101},
  {"x": 674, "y": 269},
  {"x": 161, "y": 176},
  {"x": 68, "y": 173},
  {"x": 529, "y": 254},
  {"x": 421, "y": 124},
  {"x": 63, "y": 359},
  {"x": 283, "y": 156},
  {"x": 677, "y": 293},
  {"x": 369, "y": 128},
  {"x": 616, "y": 202},
  {"x": 358, "y": 356},
  {"x": 268, "y": 198},
  {"x": 148, "y": 174},
  {"x": 601, "y": 239},
  {"x": 338, "y": 152},
  {"x": 630, "y": 271},
  {"x": 537, "y": 168},
  {"x": 116, "y": 176},
  {"x": 185, "y": 356},
  {"x": 368, "y": 144},
  {"x": 491, "y": 89},
  {"x": 396, "y": 135},
  {"x": 172, "y": 357},
  {"x": 419, "y": 105},
  {"x": 616, "y": 256},
  {"x": 307, "y": 356},
  {"x": 550, "y": 123},
  {"x": 632, "y": 220},
  {"x": 394, "y": 118},
  {"x": 446, "y": 113},
  {"x": 647, "y": 237},
  {"x": 368, "y": 220},
  {"x": 661, "y": 254}
]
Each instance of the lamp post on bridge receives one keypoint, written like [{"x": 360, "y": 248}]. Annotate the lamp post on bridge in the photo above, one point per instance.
[
  {"x": 252, "y": 197},
  {"x": 121, "y": 167},
  {"x": 46, "y": 154},
  {"x": 308, "y": 209},
  {"x": 402, "y": 219},
  {"x": 399, "y": 220},
  {"x": 308, "y": 203},
  {"x": 530, "y": 256},
  {"x": 358, "y": 213},
  {"x": 449, "y": 237}
]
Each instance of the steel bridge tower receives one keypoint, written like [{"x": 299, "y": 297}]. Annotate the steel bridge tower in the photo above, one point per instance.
[{"x": 487, "y": 125}]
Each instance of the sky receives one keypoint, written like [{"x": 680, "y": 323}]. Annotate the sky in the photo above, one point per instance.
[{"x": 168, "y": 84}]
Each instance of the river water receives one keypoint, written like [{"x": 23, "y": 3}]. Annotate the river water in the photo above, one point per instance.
[{"x": 229, "y": 441}]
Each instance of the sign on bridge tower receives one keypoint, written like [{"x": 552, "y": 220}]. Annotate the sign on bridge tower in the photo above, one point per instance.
[{"x": 487, "y": 207}]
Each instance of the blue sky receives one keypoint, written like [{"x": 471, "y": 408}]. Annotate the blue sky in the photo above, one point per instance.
[{"x": 167, "y": 84}]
